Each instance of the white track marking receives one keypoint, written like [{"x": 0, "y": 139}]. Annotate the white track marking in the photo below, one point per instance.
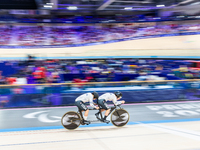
[
  {"x": 56, "y": 117},
  {"x": 33, "y": 115},
  {"x": 43, "y": 118}
]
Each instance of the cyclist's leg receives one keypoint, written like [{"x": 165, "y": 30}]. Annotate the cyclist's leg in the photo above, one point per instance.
[
  {"x": 86, "y": 114},
  {"x": 104, "y": 106},
  {"x": 100, "y": 110},
  {"x": 83, "y": 107}
]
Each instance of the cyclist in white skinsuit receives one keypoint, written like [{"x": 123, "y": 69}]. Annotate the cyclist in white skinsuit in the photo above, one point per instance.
[
  {"x": 82, "y": 99},
  {"x": 114, "y": 97}
]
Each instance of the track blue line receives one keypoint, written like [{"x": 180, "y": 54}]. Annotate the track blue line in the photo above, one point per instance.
[
  {"x": 97, "y": 125},
  {"x": 31, "y": 128}
]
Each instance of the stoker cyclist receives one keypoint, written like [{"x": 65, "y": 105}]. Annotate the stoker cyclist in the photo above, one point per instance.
[{"x": 82, "y": 99}]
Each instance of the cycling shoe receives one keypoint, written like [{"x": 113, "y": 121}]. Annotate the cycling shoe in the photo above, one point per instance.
[
  {"x": 105, "y": 121},
  {"x": 86, "y": 122}
]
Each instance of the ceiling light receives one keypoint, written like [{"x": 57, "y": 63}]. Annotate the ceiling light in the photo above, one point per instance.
[
  {"x": 160, "y": 5},
  {"x": 128, "y": 8},
  {"x": 72, "y": 8},
  {"x": 47, "y": 6}
]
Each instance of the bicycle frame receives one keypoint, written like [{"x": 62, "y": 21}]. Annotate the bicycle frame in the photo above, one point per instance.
[
  {"x": 118, "y": 117},
  {"x": 101, "y": 115}
]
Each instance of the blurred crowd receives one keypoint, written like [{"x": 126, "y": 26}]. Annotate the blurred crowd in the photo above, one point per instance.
[
  {"x": 76, "y": 34},
  {"x": 34, "y": 71},
  {"x": 6, "y": 34}
]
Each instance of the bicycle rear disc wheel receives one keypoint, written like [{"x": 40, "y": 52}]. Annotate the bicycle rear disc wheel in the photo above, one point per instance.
[
  {"x": 119, "y": 117},
  {"x": 71, "y": 120}
]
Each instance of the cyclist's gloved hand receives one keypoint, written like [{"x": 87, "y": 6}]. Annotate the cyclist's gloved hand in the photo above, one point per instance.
[{"x": 123, "y": 102}]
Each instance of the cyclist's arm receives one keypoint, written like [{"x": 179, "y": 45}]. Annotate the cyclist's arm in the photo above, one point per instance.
[
  {"x": 114, "y": 100},
  {"x": 95, "y": 103},
  {"x": 92, "y": 103},
  {"x": 118, "y": 103}
]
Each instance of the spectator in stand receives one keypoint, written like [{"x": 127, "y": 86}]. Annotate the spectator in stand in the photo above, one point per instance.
[
  {"x": 142, "y": 76},
  {"x": 51, "y": 71},
  {"x": 11, "y": 80},
  {"x": 53, "y": 77},
  {"x": 40, "y": 75},
  {"x": 68, "y": 35}
]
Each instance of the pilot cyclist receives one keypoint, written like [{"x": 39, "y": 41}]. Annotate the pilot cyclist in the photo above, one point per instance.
[{"x": 114, "y": 97}]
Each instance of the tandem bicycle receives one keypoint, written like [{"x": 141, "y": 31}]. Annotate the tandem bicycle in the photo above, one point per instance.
[{"x": 119, "y": 117}]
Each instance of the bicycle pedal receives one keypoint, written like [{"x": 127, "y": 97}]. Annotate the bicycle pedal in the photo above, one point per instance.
[{"x": 86, "y": 122}]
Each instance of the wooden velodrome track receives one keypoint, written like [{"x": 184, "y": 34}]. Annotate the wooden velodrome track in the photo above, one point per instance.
[
  {"x": 188, "y": 45},
  {"x": 155, "y": 136},
  {"x": 152, "y": 126}
]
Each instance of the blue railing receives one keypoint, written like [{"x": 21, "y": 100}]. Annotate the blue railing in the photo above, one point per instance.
[{"x": 42, "y": 95}]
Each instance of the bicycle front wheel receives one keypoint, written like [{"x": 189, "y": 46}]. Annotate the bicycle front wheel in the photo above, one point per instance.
[
  {"x": 71, "y": 120},
  {"x": 119, "y": 117}
]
